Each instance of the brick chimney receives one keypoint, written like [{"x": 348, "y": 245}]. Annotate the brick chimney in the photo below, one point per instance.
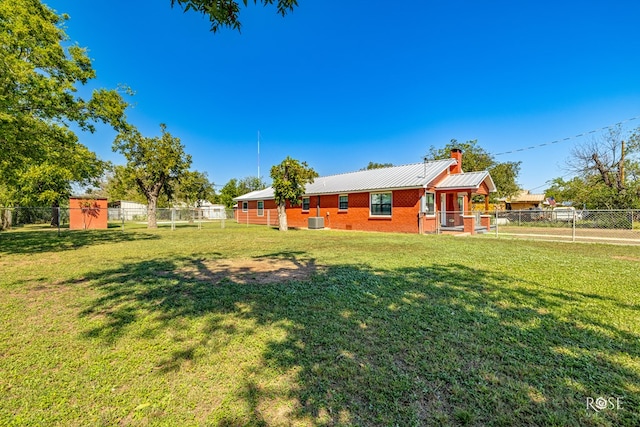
[{"x": 456, "y": 154}]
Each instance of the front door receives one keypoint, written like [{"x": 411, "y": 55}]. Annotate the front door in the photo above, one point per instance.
[{"x": 443, "y": 209}]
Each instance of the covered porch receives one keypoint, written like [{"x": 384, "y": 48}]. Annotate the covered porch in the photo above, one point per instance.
[{"x": 453, "y": 204}]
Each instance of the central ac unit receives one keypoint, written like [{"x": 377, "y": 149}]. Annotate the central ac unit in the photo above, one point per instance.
[{"x": 316, "y": 222}]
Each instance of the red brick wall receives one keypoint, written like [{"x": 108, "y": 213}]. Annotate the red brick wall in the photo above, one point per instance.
[
  {"x": 404, "y": 213},
  {"x": 269, "y": 216}
]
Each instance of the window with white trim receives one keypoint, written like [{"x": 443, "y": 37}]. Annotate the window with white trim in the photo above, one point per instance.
[
  {"x": 260, "y": 208},
  {"x": 343, "y": 202},
  {"x": 429, "y": 203},
  {"x": 380, "y": 204},
  {"x": 305, "y": 203},
  {"x": 245, "y": 206}
]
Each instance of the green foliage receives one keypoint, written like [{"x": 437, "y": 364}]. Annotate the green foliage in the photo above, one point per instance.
[
  {"x": 39, "y": 79},
  {"x": 224, "y": 13},
  {"x": 193, "y": 187},
  {"x": 476, "y": 158},
  {"x": 234, "y": 188},
  {"x": 289, "y": 180},
  {"x": 154, "y": 164},
  {"x": 374, "y": 165}
]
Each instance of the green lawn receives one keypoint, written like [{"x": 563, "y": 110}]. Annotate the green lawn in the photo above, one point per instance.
[{"x": 249, "y": 326}]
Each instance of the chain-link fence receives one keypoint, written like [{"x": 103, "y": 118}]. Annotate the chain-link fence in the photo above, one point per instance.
[
  {"x": 569, "y": 224},
  {"x": 562, "y": 224},
  {"x": 112, "y": 218}
]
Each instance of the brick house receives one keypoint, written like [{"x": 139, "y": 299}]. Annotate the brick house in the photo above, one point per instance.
[{"x": 414, "y": 198}]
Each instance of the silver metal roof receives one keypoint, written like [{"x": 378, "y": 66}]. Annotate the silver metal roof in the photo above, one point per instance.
[
  {"x": 466, "y": 180},
  {"x": 416, "y": 175}
]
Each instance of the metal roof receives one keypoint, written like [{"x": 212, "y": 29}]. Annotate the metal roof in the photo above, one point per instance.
[
  {"x": 527, "y": 197},
  {"x": 466, "y": 180},
  {"x": 415, "y": 175}
]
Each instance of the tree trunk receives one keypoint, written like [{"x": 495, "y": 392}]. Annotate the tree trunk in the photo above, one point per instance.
[
  {"x": 5, "y": 219},
  {"x": 152, "y": 203},
  {"x": 55, "y": 215},
  {"x": 282, "y": 217}
]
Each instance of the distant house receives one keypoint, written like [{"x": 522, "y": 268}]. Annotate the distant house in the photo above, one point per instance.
[
  {"x": 212, "y": 211},
  {"x": 524, "y": 201},
  {"x": 129, "y": 211},
  {"x": 415, "y": 198}
]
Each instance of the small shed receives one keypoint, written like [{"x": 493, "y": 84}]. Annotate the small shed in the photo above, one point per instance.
[{"x": 87, "y": 213}]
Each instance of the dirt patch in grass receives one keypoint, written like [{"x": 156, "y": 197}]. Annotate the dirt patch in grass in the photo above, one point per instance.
[
  {"x": 627, "y": 258},
  {"x": 251, "y": 271}
]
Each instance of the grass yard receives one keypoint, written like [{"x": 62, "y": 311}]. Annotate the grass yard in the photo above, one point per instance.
[{"x": 249, "y": 326}]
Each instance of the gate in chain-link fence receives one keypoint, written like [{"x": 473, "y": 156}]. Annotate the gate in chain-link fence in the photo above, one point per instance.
[{"x": 569, "y": 224}]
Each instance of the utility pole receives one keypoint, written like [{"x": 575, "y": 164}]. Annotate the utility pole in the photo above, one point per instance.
[{"x": 622, "y": 165}]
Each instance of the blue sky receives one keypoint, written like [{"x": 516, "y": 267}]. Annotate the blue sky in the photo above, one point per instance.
[{"x": 340, "y": 83}]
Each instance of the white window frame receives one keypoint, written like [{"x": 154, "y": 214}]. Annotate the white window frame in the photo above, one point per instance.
[
  {"x": 371, "y": 214},
  {"x": 347, "y": 196},
  {"x": 308, "y": 204},
  {"x": 461, "y": 203},
  {"x": 424, "y": 203},
  {"x": 260, "y": 209},
  {"x": 245, "y": 206}
]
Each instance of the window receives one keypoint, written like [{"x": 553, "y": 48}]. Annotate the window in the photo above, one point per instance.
[
  {"x": 343, "y": 202},
  {"x": 305, "y": 203},
  {"x": 429, "y": 203},
  {"x": 245, "y": 206},
  {"x": 260, "y": 208},
  {"x": 380, "y": 204},
  {"x": 461, "y": 203}
]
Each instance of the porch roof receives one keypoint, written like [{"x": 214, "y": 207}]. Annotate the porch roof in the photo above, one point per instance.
[{"x": 467, "y": 181}]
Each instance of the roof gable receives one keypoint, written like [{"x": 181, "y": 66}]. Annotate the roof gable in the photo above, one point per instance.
[{"x": 467, "y": 180}]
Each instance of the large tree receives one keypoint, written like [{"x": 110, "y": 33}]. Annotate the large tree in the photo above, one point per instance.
[
  {"x": 155, "y": 164},
  {"x": 289, "y": 180},
  {"x": 40, "y": 76},
  {"x": 476, "y": 158},
  {"x": 606, "y": 172},
  {"x": 194, "y": 187},
  {"x": 225, "y": 13}
]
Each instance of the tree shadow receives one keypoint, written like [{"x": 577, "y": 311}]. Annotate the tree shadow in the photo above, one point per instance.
[
  {"x": 41, "y": 241},
  {"x": 441, "y": 345}
]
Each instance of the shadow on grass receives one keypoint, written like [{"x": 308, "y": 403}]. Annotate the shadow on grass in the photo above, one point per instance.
[
  {"x": 40, "y": 241},
  {"x": 441, "y": 345}
]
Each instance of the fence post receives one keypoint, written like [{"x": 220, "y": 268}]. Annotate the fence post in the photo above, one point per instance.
[
  {"x": 199, "y": 219},
  {"x": 573, "y": 228},
  {"x": 268, "y": 218},
  {"x": 58, "y": 214},
  {"x": 497, "y": 221},
  {"x": 122, "y": 216},
  {"x": 173, "y": 218}
]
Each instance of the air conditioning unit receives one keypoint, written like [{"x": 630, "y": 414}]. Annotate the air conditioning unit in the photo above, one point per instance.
[{"x": 316, "y": 222}]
